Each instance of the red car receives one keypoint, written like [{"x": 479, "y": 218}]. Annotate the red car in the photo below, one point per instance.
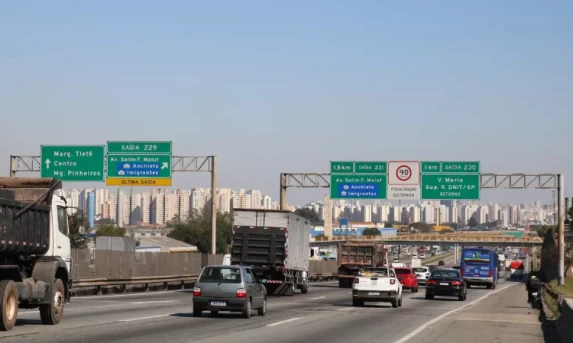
[{"x": 407, "y": 278}]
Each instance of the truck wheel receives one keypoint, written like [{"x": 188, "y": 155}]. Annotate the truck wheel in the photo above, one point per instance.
[
  {"x": 304, "y": 289},
  {"x": 52, "y": 313},
  {"x": 8, "y": 304}
]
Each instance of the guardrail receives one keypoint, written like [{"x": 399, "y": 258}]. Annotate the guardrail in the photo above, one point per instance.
[{"x": 438, "y": 237}]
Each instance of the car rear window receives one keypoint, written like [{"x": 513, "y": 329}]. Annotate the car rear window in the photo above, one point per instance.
[
  {"x": 402, "y": 271},
  {"x": 221, "y": 275},
  {"x": 445, "y": 274},
  {"x": 420, "y": 270}
]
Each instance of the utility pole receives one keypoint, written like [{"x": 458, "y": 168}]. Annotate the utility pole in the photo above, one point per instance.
[{"x": 561, "y": 231}]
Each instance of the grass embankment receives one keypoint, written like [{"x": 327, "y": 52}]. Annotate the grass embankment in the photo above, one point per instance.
[
  {"x": 567, "y": 291},
  {"x": 551, "y": 303}
]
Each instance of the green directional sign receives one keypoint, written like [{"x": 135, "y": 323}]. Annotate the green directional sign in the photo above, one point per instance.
[
  {"x": 139, "y": 148},
  {"x": 353, "y": 186},
  {"x": 450, "y": 186},
  {"x": 342, "y": 167},
  {"x": 370, "y": 167},
  {"x": 431, "y": 167},
  {"x": 148, "y": 166},
  {"x": 73, "y": 162},
  {"x": 460, "y": 167},
  {"x": 139, "y": 164}
]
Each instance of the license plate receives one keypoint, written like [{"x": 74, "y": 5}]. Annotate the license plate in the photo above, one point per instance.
[
  {"x": 534, "y": 294},
  {"x": 373, "y": 293},
  {"x": 218, "y": 303},
  {"x": 444, "y": 284}
]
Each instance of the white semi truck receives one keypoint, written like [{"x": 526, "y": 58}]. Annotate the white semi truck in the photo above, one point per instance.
[
  {"x": 276, "y": 244},
  {"x": 35, "y": 253}
]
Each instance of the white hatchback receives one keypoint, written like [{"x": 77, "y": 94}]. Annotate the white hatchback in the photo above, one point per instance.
[{"x": 422, "y": 274}]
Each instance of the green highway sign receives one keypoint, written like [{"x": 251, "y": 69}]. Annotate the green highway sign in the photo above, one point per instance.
[
  {"x": 431, "y": 167},
  {"x": 352, "y": 186},
  {"x": 73, "y": 162},
  {"x": 460, "y": 167},
  {"x": 139, "y": 148},
  {"x": 370, "y": 167},
  {"x": 450, "y": 186},
  {"x": 139, "y": 164},
  {"x": 342, "y": 167}
]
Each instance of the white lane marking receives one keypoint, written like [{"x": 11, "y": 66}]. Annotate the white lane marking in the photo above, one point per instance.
[
  {"x": 153, "y": 302},
  {"x": 345, "y": 309},
  {"x": 317, "y": 298},
  {"x": 284, "y": 321},
  {"x": 442, "y": 316},
  {"x": 145, "y": 318}
]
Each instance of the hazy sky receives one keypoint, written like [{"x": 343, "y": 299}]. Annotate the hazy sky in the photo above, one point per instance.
[{"x": 272, "y": 87}]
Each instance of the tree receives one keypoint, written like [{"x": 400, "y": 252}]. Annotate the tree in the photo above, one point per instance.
[
  {"x": 196, "y": 230},
  {"x": 422, "y": 227},
  {"x": 389, "y": 224},
  {"x": 549, "y": 256},
  {"x": 105, "y": 221},
  {"x": 568, "y": 257},
  {"x": 78, "y": 240},
  {"x": 472, "y": 222},
  {"x": 110, "y": 231},
  {"x": 309, "y": 214},
  {"x": 569, "y": 216},
  {"x": 371, "y": 231}
]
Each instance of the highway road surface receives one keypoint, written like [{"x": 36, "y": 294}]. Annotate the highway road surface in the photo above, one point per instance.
[{"x": 324, "y": 314}]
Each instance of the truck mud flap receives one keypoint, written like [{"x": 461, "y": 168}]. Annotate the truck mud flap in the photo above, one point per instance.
[{"x": 279, "y": 289}]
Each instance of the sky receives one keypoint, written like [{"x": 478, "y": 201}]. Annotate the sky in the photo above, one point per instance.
[{"x": 271, "y": 87}]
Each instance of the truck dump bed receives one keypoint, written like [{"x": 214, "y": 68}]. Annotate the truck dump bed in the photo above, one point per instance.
[
  {"x": 358, "y": 254},
  {"x": 270, "y": 238},
  {"x": 28, "y": 233}
]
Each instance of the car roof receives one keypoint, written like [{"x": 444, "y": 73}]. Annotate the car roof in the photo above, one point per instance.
[
  {"x": 224, "y": 266},
  {"x": 447, "y": 269}
]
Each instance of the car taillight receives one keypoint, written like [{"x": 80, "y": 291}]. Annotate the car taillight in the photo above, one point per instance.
[
  {"x": 356, "y": 280},
  {"x": 196, "y": 292},
  {"x": 431, "y": 282},
  {"x": 241, "y": 293},
  {"x": 456, "y": 283},
  {"x": 392, "y": 281},
  {"x": 490, "y": 273},
  {"x": 462, "y": 272}
]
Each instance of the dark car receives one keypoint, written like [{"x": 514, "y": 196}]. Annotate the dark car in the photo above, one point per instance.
[
  {"x": 441, "y": 263},
  {"x": 446, "y": 282},
  {"x": 229, "y": 288}
]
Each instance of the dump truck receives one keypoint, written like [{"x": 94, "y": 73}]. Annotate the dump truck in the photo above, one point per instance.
[
  {"x": 35, "y": 253},
  {"x": 276, "y": 244},
  {"x": 353, "y": 256}
]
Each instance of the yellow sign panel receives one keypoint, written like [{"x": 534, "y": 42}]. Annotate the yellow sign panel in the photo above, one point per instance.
[{"x": 149, "y": 182}]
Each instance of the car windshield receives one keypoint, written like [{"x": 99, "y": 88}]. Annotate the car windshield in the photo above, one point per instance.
[
  {"x": 221, "y": 275},
  {"x": 420, "y": 270},
  {"x": 445, "y": 274},
  {"x": 402, "y": 271}
]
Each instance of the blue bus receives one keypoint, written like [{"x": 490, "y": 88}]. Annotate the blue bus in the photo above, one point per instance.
[{"x": 480, "y": 266}]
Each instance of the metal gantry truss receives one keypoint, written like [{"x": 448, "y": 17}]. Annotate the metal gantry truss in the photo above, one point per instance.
[
  {"x": 178, "y": 164},
  {"x": 487, "y": 181},
  {"x": 519, "y": 181}
]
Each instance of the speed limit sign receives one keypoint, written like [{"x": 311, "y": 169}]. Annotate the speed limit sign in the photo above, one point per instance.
[{"x": 403, "y": 173}]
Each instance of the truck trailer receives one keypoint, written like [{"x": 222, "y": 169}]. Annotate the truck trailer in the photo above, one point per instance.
[
  {"x": 353, "y": 256},
  {"x": 35, "y": 253},
  {"x": 276, "y": 244}
]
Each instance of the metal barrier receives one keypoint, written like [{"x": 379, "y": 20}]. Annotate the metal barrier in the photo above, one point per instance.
[{"x": 107, "y": 268}]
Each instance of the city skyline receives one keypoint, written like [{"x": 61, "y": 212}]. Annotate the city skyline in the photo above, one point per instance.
[{"x": 160, "y": 206}]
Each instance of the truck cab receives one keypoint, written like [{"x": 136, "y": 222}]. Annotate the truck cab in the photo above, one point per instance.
[{"x": 35, "y": 251}]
